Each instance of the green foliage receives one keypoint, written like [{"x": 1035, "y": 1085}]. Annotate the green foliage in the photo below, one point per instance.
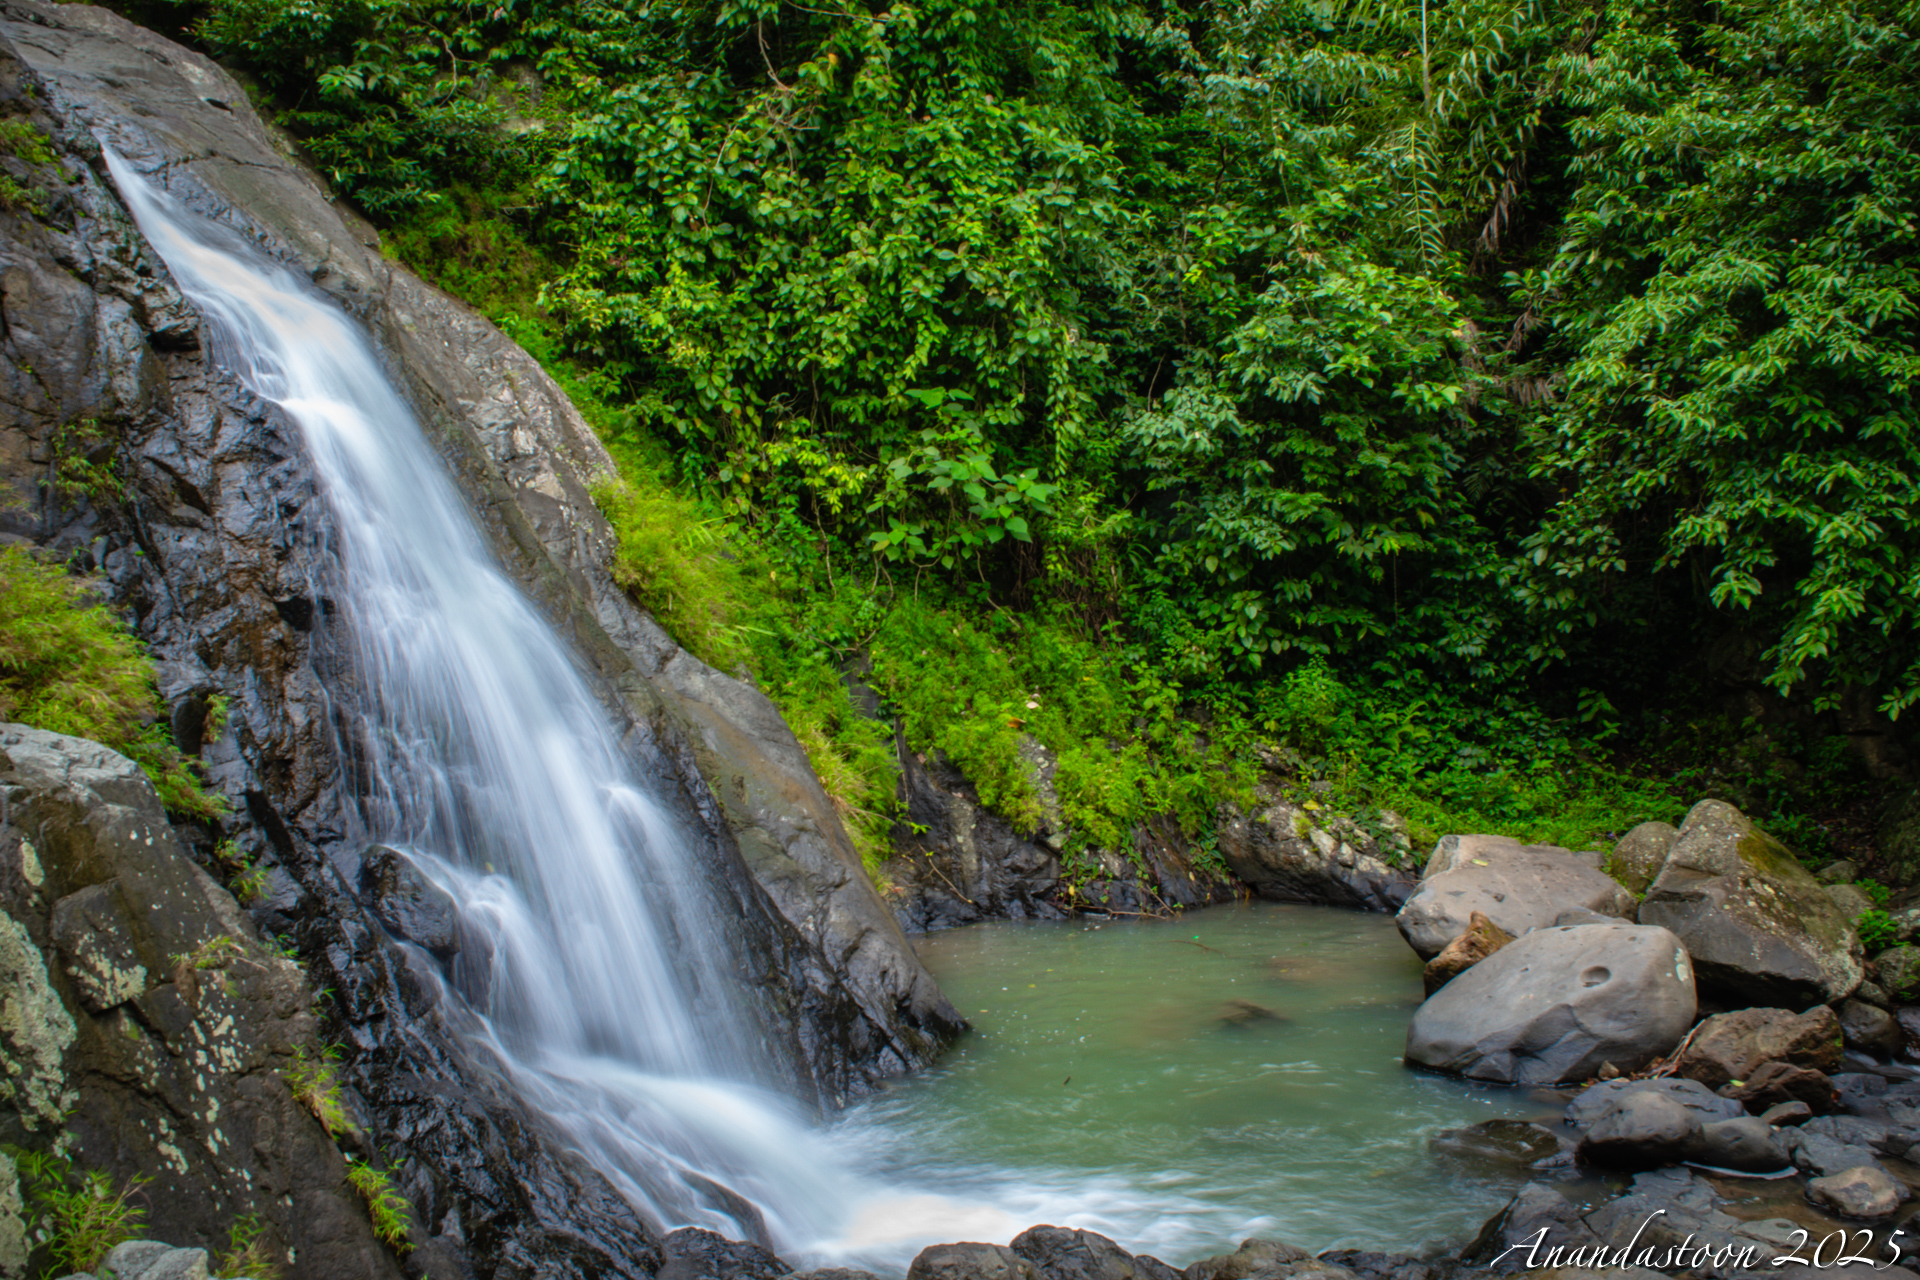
[
  {"x": 1878, "y": 930},
  {"x": 385, "y": 1205},
  {"x": 68, "y": 666},
  {"x": 82, "y": 1211},
  {"x": 22, "y": 141},
  {"x": 246, "y": 1254},
  {"x": 1877, "y": 893},
  {"x": 312, "y": 1080}
]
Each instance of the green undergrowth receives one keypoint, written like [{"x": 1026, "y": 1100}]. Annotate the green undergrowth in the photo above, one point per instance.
[
  {"x": 80, "y": 1213},
  {"x": 68, "y": 665}
]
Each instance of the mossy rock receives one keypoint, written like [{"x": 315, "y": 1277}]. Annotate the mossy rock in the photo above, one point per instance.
[{"x": 1899, "y": 969}]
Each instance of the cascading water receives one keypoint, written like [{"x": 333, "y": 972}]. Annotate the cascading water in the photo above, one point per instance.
[{"x": 607, "y": 994}]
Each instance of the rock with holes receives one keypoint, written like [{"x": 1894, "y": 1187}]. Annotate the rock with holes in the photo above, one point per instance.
[
  {"x": 1516, "y": 886},
  {"x": 1554, "y": 1005}
]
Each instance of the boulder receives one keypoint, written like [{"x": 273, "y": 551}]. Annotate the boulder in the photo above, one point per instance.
[
  {"x": 1268, "y": 1259},
  {"x": 1292, "y": 854},
  {"x": 1517, "y": 887},
  {"x": 1898, "y": 969},
  {"x": 1730, "y": 1046},
  {"x": 1556, "y": 1004},
  {"x": 1537, "y": 1220},
  {"x": 968, "y": 1261},
  {"x": 1849, "y": 899},
  {"x": 1776, "y": 1082},
  {"x": 1784, "y": 1115},
  {"x": 1757, "y": 924},
  {"x": 152, "y": 1260},
  {"x": 1744, "y": 1145},
  {"x": 695, "y": 1254},
  {"x": 1636, "y": 860},
  {"x": 1482, "y": 938},
  {"x": 414, "y": 908},
  {"x": 1641, "y": 1131},
  {"x": 1864, "y": 1192},
  {"x": 1062, "y": 1253},
  {"x": 1598, "y": 1100},
  {"x": 1869, "y": 1029}
]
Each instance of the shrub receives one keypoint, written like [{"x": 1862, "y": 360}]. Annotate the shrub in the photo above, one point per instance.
[
  {"x": 385, "y": 1205},
  {"x": 314, "y": 1086}
]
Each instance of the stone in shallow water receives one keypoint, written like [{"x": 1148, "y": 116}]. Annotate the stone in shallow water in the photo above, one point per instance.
[
  {"x": 1503, "y": 1141},
  {"x": 1062, "y": 1253},
  {"x": 1597, "y": 1100},
  {"x": 1517, "y": 887},
  {"x": 1557, "y": 1004},
  {"x": 1866, "y": 1191},
  {"x": 1641, "y": 1131}
]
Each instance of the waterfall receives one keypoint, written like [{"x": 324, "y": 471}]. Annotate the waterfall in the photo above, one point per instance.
[{"x": 609, "y": 987}]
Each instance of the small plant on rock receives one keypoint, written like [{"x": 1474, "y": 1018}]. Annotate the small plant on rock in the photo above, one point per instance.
[
  {"x": 247, "y": 1252},
  {"x": 83, "y": 1213},
  {"x": 385, "y": 1205},
  {"x": 1877, "y": 929},
  {"x": 250, "y": 884},
  {"x": 317, "y": 1088}
]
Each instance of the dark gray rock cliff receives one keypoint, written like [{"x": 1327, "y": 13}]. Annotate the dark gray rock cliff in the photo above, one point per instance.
[{"x": 213, "y": 537}]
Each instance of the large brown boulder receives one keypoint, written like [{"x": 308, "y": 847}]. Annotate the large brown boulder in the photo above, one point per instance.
[
  {"x": 1730, "y": 1046},
  {"x": 1516, "y": 886},
  {"x": 1760, "y": 928}
]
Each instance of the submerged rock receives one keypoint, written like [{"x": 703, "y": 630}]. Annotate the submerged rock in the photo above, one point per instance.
[
  {"x": 1558, "y": 1003},
  {"x": 1758, "y": 925},
  {"x": 1867, "y": 1191},
  {"x": 1517, "y": 887}
]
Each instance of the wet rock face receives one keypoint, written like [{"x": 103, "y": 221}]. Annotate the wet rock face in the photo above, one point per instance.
[
  {"x": 216, "y": 545},
  {"x": 1285, "y": 853},
  {"x": 146, "y": 1019}
]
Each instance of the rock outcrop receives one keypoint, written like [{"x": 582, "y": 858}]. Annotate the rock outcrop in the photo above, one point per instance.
[
  {"x": 1516, "y": 886},
  {"x": 1760, "y": 928},
  {"x": 1289, "y": 853},
  {"x": 147, "y": 1022},
  {"x": 215, "y": 544},
  {"x": 1558, "y": 1004}
]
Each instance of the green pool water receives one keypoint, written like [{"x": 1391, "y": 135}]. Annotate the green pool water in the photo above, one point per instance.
[{"x": 1181, "y": 1085}]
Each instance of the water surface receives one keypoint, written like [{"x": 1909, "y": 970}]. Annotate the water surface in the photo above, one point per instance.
[{"x": 1180, "y": 1085}]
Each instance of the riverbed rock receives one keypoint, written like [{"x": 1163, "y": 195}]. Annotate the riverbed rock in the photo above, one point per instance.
[
  {"x": 1556, "y": 1004},
  {"x": 1640, "y": 854},
  {"x": 1512, "y": 1143},
  {"x": 1266, "y": 1260},
  {"x": 1598, "y": 1100},
  {"x": 1482, "y": 938},
  {"x": 1062, "y": 1253},
  {"x": 1898, "y": 971},
  {"x": 1785, "y": 1115},
  {"x": 1640, "y": 1131},
  {"x": 1730, "y": 1046},
  {"x": 1744, "y": 1145},
  {"x": 1866, "y": 1191},
  {"x": 1289, "y": 853},
  {"x": 969, "y": 1261},
  {"x": 1773, "y": 1083},
  {"x": 694, "y": 1254},
  {"x": 1517, "y": 887},
  {"x": 1870, "y": 1029},
  {"x": 1759, "y": 927}
]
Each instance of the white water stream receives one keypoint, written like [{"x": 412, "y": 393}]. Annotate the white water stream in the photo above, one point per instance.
[{"x": 610, "y": 990}]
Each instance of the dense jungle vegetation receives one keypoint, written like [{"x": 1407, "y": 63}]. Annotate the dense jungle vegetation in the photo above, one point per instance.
[{"x": 1458, "y": 393}]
